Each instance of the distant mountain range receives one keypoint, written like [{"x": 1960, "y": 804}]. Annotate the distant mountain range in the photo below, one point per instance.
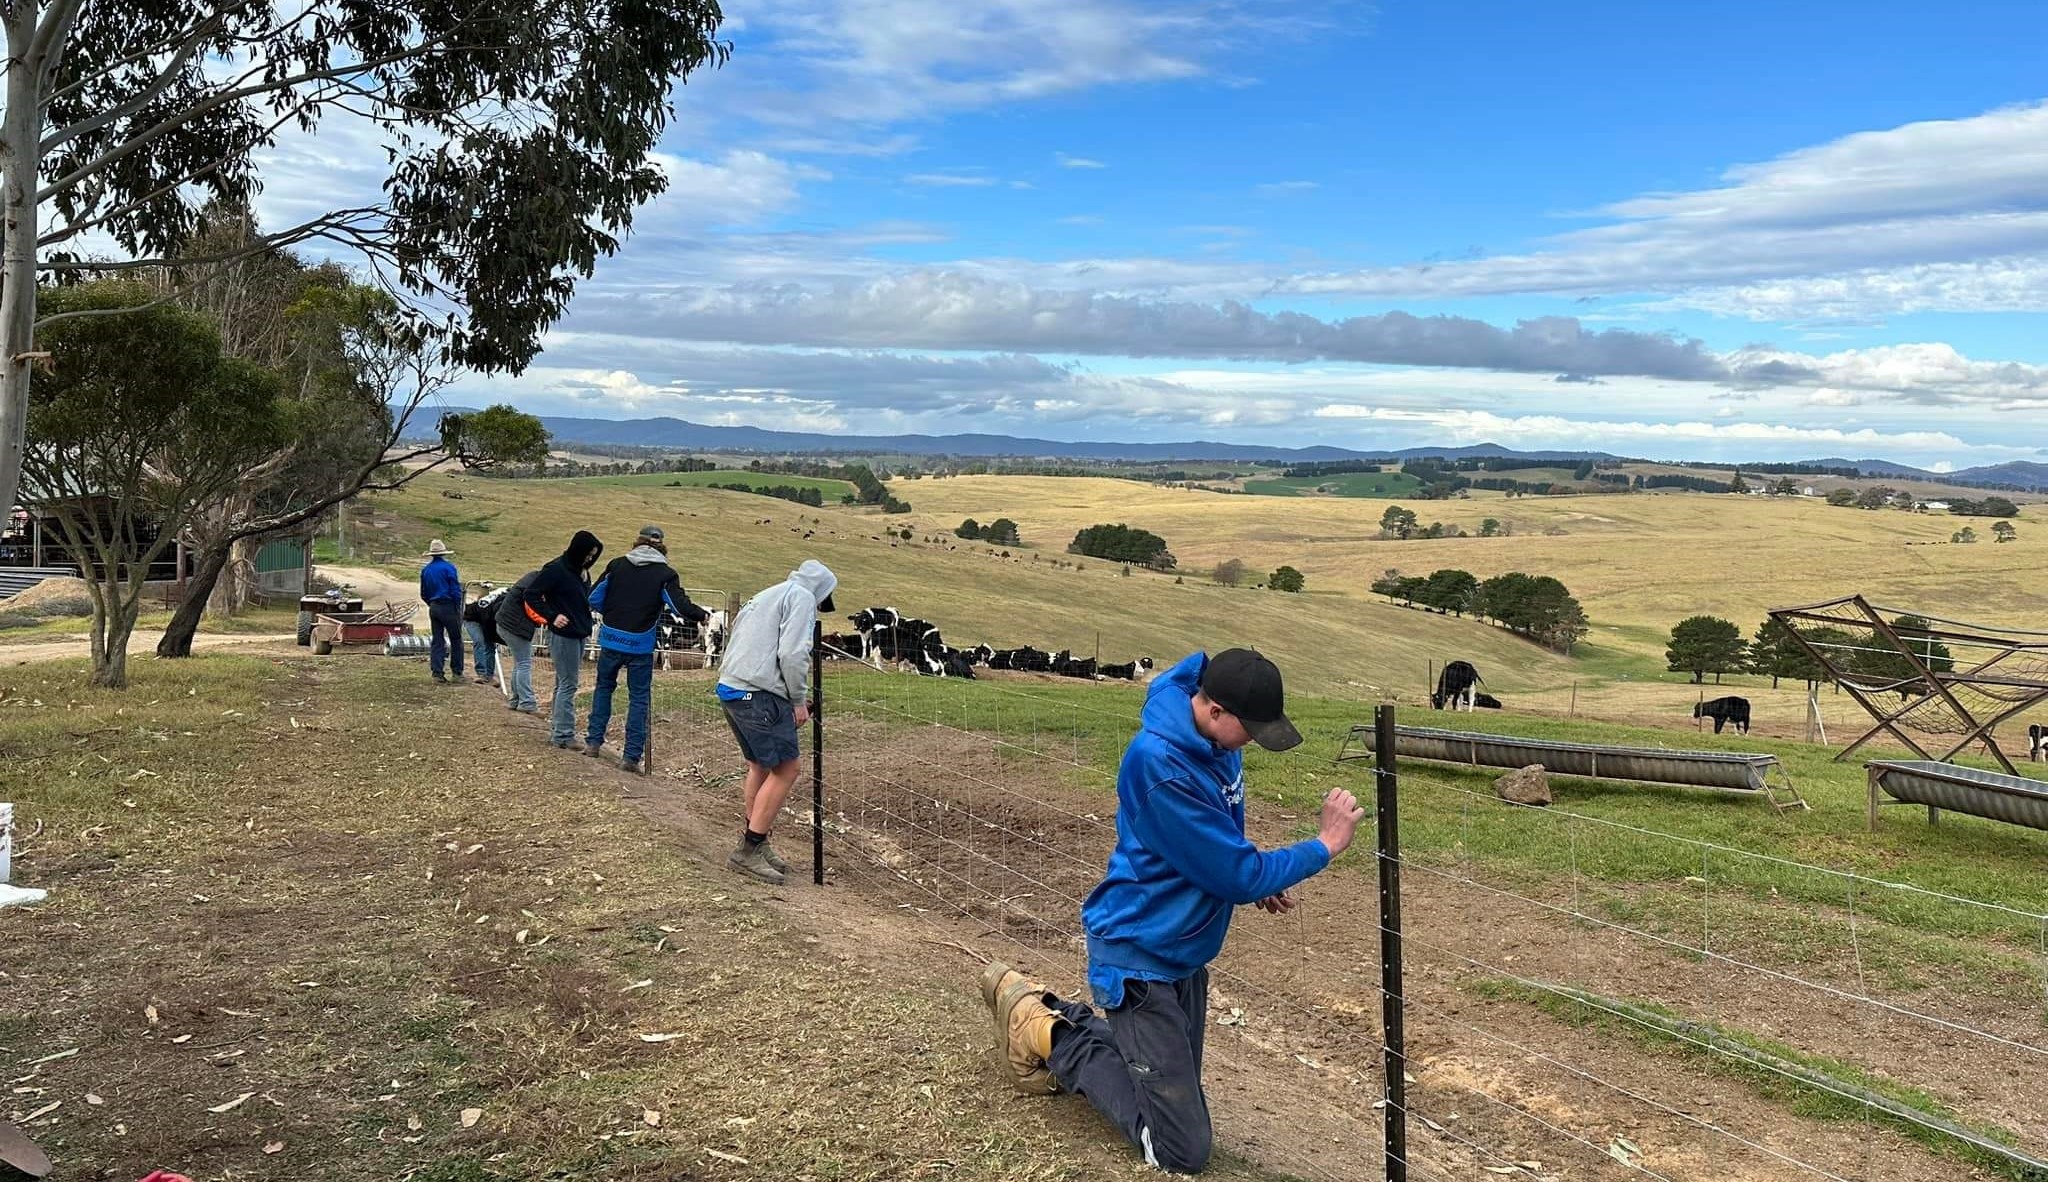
[
  {"x": 2023, "y": 474},
  {"x": 688, "y": 436}
]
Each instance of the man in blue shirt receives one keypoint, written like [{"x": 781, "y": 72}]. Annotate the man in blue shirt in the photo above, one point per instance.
[
  {"x": 1157, "y": 919},
  {"x": 441, "y": 588},
  {"x": 631, "y": 596}
]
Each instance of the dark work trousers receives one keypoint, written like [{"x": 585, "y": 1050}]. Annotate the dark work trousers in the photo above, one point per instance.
[
  {"x": 1141, "y": 1067},
  {"x": 446, "y": 615}
]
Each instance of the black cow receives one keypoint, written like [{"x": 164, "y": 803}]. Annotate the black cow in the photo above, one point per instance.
[
  {"x": 1023, "y": 660},
  {"x": 1724, "y": 711},
  {"x": 2037, "y": 741},
  {"x": 843, "y": 646},
  {"x": 1142, "y": 667},
  {"x": 956, "y": 662},
  {"x": 1066, "y": 664},
  {"x": 1455, "y": 686},
  {"x": 1486, "y": 701}
]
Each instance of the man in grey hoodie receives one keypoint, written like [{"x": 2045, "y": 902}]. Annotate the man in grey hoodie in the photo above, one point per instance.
[{"x": 763, "y": 683}]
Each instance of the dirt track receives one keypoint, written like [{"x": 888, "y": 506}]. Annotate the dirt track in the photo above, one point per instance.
[{"x": 141, "y": 645}]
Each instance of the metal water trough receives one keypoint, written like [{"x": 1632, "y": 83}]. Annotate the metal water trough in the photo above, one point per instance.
[
  {"x": 2015, "y": 800},
  {"x": 1719, "y": 771}
]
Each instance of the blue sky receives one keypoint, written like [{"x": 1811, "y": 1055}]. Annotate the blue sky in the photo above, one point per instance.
[{"x": 1755, "y": 231}]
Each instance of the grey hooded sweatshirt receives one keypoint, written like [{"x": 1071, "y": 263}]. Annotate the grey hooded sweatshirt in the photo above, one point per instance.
[{"x": 768, "y": 646}]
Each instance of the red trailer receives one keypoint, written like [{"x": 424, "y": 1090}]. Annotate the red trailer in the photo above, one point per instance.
[{"x": 332, "y": 628}]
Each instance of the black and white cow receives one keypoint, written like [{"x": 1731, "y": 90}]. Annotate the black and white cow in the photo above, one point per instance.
[
  {"x": 1724, "y": 711},
  {"x": 844, "y": 646},
  {"x": 1136, "y": 670},
  {"x": 1022, "y": 660},
  {"x": 956, "y": 662},
  {"x": 1455, "y": 686},
  {"x": 2037, "y": 741},
  {"x": 1066, "y": 664}
]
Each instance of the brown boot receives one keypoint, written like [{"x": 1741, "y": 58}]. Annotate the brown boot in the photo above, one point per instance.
[{"x": 1023, "y": 1027}]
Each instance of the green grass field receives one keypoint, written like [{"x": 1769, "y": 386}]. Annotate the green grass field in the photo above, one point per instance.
[
  {"x": 832, "y": 490},
  {"x": 1349, "y": 484}
]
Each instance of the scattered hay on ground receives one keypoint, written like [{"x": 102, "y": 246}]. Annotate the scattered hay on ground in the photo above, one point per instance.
[{"x": 49, "y": 599}]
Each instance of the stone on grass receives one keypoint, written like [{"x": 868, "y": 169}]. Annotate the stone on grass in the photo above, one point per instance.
[{"x": 1529, "y": 785}]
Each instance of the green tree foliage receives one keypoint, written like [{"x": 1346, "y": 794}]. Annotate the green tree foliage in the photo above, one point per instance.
[
  {"x": 1738, "y": 484},
  {"x": 1705, "y": 644},
  {"x": 2004, "y": 531},
  {"x": 1489, "y": 528},
  {"x": 1001, "y": 532},
  {"x": 1842, "y": 498},
  {"x": 1449, "y": 591},
  {"x": 1536, "y": 606},
  {"x": 1287, "y": 579},
  {"x": 127, "y": 441},
  {"x": 807, "y": 495},
  {"x": 520, "y": 141},
  {"x": 969, "y": 529},
  {"x": 1398, "y": 522},
  {"x": 1123, "y": 543},
  {"x": 1785, "y": 486},
  {"x": 1584, "y": 471},
  {"x": 1877, "y": 496},
  {"x": 1963, "y": 536},
  {"x": 1988, "y": 507},
  {"x": 1229, "y": 572},
  {"x": 1878, "y": 659},
  {"x": 1774, "y": 653}
]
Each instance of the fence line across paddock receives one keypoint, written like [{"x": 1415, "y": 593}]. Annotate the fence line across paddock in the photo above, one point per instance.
[{"x": 973, "y": 821}]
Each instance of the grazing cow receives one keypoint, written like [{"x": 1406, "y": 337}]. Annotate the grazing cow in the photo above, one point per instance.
[
  {"x": 2037, "y": 741},
  {"x": 1486, "y": 701},
  {"x": 1724, "y": 711},
  {"x": 1455, "y": 686},
  {"x": 1133, "y": 671},
  {"x": 844, "y": 646}
]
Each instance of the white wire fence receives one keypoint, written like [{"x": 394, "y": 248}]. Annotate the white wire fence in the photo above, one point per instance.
[{"x": 1584, "y": 998}]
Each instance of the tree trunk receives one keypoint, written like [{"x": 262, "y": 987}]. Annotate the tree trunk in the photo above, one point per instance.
[
  {"x": 20, "y": 134},
  {"x": 184, "y": 625}
]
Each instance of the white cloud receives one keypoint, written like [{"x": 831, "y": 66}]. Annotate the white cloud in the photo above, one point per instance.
[
  {"x": 948, "y": 180},
  {"x": 1284, "y": 188},
  {"x": 1066, "y": 161},
  {"x": 1947, "y": 214},
  {"x": 741, "y": 188}
]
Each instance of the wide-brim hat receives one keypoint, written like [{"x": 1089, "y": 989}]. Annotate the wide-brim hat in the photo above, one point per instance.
[
  {"x": 20, "y": 1153},
  {"x": 438, "y": 549}
]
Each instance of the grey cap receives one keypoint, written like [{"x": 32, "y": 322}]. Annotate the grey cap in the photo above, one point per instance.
[{"x": 653, "y": 533}]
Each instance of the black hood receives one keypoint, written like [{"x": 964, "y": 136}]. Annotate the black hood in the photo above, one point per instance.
[{"x": 584, "y": 550}]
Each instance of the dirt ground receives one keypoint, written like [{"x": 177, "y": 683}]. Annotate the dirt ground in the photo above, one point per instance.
[
  {"x": 382, "y": 931},
  {"x": 140, "y": 645}
]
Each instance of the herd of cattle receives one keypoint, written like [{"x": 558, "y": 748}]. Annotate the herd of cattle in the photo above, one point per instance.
[{"x": 884, "y": 636}]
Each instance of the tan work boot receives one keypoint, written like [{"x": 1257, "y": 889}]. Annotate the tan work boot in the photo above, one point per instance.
[
  {"x": 749, "y": 861},
  {"x": 1023, "y": 1027}
]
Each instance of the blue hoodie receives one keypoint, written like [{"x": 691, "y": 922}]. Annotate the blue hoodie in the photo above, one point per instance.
[{"x": 1182, "y": 860}]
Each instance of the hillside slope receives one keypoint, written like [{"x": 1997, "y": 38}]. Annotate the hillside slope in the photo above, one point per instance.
[{"x": 1331, "y": 643}]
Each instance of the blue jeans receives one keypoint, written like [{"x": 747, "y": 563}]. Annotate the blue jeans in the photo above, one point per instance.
[
  {"x": 483, "y": 656},
  {"x": 445, "y": 615},
  {"x": 522, "y": 672},
  {"x": 639, "y": 669},
  {"x": 567, "y": 654}
]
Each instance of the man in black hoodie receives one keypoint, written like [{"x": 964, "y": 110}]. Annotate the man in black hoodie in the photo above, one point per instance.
[
  {"x": 633, "y": 595},
  {"x": 560, "y": 596}
]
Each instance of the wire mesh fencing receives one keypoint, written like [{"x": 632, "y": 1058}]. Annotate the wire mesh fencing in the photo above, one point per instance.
[{"x": 1582, "y": 997}]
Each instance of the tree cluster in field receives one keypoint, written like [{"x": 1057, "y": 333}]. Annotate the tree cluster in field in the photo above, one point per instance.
[
  {"x": 1123, "y": 543},
  {"x": 1232, "y": 571},
  {"x": 1536, "y": 606},
  {"x": 787, "y": 492},
  {"x": 1322, "y": 468},
  {"x": 1702, "y": 645},
  {"x": 1988, "y": 507},
  {"x": 1401, "y": 522},
  {"x": 553, "y": 469},
  {"x": 867, "y": 488},
  {"x": 1002, "y": 531},
  {"x": 1687, "y": 483}
]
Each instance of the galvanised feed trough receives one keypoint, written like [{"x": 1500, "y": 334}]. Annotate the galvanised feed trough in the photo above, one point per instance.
[
  {"x": 1719, "y": 771},
  {"x": 2015, "y": 800}
]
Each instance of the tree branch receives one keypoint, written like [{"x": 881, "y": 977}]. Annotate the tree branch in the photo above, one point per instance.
[{"x": 171, "y": 72}]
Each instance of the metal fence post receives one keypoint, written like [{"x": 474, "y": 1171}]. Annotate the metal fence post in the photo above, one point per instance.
[
  {"x": 818, "y": 753},
  {"x": 1387, "y": 814}
]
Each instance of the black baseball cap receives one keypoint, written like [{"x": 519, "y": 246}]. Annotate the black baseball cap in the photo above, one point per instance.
[{"x": 1248, "y": 685}]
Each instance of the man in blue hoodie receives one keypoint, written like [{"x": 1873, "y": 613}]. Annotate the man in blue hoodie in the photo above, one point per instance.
[
  {"x": 441, "y": 588},
  {"x": 1158, "y": 917},
  {"x": 632, "y": 595}
]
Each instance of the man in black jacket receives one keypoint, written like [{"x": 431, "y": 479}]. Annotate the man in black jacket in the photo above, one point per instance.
[
  {"x": 632, "y": 596},
  {"x": 559, "y": 596}
]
